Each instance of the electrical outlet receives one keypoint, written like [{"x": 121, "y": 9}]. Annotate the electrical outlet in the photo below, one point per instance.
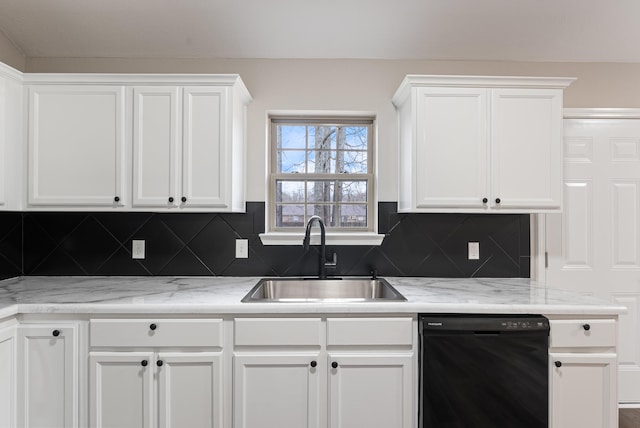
[
  {"x": 474, "y": 251},
  {"x": 242, "y": 248},
  {"x": 137, "y": 249}
]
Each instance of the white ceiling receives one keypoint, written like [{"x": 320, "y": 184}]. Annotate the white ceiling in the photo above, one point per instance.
[{"x": 510, "y": 30}]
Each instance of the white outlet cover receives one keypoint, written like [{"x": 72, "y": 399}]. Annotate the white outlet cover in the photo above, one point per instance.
[
  {"x": 242, "y": 248},
  {"x": 137, "y": 249},
  {"x": 474, "y": 251}
]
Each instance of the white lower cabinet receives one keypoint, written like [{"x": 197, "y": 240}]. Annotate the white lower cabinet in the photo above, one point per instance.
[
  {"x": 8, "y": 375},
  {"x": 373, "y": 390},
  {"x": 277, "y": 390},
  {"x": 583, "y": 372},
  {"x": 319, "y": 373},
  {"x": 165, "y": 373},
  {"x": 48, "y": 386},
  {"x": 148, "y": 389}
]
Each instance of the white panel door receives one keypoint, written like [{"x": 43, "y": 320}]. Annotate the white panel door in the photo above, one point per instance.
[
  {"x": 48, "y": 386},
  {"x": 76, "y": 145},
  {"x": 190, "y": 390},
  {"x": 8, "y": 378},
  {"x": 594, "y": 246},
  {"x": 451, "y": 148},
  {"x": 206, "y": 157},
  {"x": 121, "y": 389},
  {"x": 373, "y": 391},
  {"x": 526, "y": 148},
  {"x": 156, "y": 143},
  {"x": 579, "y": 392},
  {"x": 278, "y": 391}
]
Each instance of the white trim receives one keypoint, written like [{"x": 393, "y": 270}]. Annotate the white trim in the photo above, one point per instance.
[
  {"x": 343, "y": 238},
  {"x": 415, "y": 80},
  {"x": 601, "y": 113},
  {"x": 10, "y": 72}
]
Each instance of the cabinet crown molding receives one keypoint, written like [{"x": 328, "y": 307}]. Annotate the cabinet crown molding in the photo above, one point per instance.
[{"x": 461, "y": 81}]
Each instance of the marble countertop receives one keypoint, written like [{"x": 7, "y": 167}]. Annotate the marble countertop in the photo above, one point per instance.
[{"x": 222, "y": 295}]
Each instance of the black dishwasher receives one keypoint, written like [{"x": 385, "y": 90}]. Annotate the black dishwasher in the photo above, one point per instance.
[{"x": 484, "y": 371}]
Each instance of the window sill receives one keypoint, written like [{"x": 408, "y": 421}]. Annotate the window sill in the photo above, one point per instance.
[{"x": 343, "y": 238}]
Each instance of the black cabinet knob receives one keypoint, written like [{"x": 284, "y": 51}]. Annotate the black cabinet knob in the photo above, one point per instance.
[
  {"x": 586, "y": 327},
  {"x": 334, "y": 365},
  {"x": 497, "y": 200},
  {"x": 170, "y": 199},
  {"x": 183, "y": 199},
  {"x": 144, "y": 363},
  {"x": 56, "y": 333},
  {"x": 558, "y": 363},
  {"x": 314, "y": 363},
  {"x": 485, "y": 200},
  {"x": 159, "y": 363},
  {"x": 153, "y": 326},
  {"x": 116, "y": 199}
]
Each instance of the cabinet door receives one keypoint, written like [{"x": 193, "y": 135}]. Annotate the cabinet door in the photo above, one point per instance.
[
  {"x": 373, "y": 391},
  {"x": 583, "y": 391},
  {"x": 206, "y": 160},
  {"x": 277, "y": 391},
  {"x": 76, "y": 138},
  {"x": 451, "y": 148},
  {"x": 156, "y": 138},
  {"x": 121, "y": 389},
  {"x": 8, "y": 378},
  {"x": 526, "y": 138},
  {"x": 190, "y": 390},
  {"x": 48, "y": 386}
]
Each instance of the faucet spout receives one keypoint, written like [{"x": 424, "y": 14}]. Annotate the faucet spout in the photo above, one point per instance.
[{"x": 307, "y": 240}]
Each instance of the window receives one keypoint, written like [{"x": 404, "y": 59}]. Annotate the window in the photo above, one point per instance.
[{"x": 323, "y": 167}]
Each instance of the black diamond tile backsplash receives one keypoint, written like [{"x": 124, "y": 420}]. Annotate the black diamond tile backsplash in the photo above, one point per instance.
[{"x": 434, "y": 245}]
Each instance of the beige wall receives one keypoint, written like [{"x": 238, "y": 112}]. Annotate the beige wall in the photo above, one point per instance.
[
  {"x": 10, "y": 55},
  {"x": 361, "y": 85}
]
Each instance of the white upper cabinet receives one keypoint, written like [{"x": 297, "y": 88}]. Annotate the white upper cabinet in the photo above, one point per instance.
[
  {"x": 11, "y": 144},
  {"x": 189, "y": 146},
  {"x": 76, "y": 145},
  {"x": 136, "y": 142},
  {"x": 480, "y": 144}
]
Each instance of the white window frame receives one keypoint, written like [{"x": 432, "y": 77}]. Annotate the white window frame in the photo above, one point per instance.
[{"x": 335, "y": 236}]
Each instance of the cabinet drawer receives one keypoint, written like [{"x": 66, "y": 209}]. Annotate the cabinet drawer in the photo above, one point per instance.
[
  {"x": 278, "y": 331},
  {"x": 369, "y": 331},
  {"x": 583, "y": 333},
  {"x": 155, "y": 332}
]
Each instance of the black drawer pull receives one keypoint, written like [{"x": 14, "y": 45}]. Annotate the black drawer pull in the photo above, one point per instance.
[
  {"x": 56, "y": 333},
  {"x": 558, "y": 364},
  {"x": 144, "y": 363},
  {"x": 314, "y": 363},
  {"x": 334, "y": 365},
  {"x": 153, "y": 327},
  {"x": 159, "y": 363},
  {"x": 586, "y": 327}
]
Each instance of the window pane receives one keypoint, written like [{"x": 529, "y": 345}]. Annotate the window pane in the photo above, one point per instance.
[
  {"x": 291, "y": 137},
  {"x": 352, "y": 191},
  {"x": 326, "y": 212},
  {"x": 322, "y": 137},
  {"x": 322, "y": 162},
  {"x": 356, "y": 137},
  {"x": 289, "y": 191},
  {"x": 352, "y": 162},
  {"x": 352, "y": 215},
  {"x": 290, "y": 216},
  {"x": 291, "y": 161},
  {"x": 320, "y": 191}
]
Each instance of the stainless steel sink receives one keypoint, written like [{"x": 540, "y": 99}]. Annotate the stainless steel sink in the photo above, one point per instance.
[{"x": 300, "y": 290}]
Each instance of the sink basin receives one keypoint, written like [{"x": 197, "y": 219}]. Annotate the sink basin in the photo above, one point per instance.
[{"x": 300, "y": 290}]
